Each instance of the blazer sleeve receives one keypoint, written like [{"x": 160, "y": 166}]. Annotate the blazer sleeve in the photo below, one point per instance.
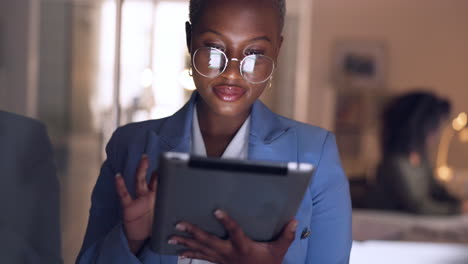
[
  {"x": 105, "y": 240},
  {"x": 331, "y": 236}
]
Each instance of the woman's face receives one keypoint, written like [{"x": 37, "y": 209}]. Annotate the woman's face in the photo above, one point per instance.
[{"x": 238, "y": 28}]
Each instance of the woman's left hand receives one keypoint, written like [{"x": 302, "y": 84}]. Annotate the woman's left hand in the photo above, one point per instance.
[{"x": 238, "y": 249}]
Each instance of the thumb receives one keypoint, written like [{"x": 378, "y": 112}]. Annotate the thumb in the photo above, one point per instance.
[{"x": 287, "y": 235}]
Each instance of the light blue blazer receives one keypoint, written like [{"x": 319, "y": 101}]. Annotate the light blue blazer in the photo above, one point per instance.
[{"x": 325, "y": 210}]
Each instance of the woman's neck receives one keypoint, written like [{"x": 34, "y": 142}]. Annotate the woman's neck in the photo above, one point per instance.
[{"x": 217, "y": 130}]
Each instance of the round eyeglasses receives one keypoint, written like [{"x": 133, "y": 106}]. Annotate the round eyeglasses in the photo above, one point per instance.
[{"x": 211, "y": 62}]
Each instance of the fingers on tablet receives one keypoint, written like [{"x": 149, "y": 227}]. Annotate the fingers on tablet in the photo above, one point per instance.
[
  {"x": 236, "y": 233},
  {"x": 287, "y": 236},
  {"x": 125, "y": 198}
]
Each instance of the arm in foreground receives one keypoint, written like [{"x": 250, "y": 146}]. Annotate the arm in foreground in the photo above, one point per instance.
[{"x": 105, "y": 240}]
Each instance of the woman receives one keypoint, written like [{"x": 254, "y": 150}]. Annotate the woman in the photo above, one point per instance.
[
  {"x": 405, "y": 181},
  {"x": 234, "y": 46}
]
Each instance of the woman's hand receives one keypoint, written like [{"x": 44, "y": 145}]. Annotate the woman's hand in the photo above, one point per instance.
[
  {"x": 238, "y": 249},
  {"x": 138, "y": 212}
]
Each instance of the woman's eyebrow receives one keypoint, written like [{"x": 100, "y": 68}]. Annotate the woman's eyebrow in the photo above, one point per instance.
[
  {"x": 211, "y": 31},
  {"x": 251, "y": 40},
  {"x": 261, "y": 38}
]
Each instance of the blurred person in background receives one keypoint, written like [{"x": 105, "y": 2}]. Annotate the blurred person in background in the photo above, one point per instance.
[
  {"x": 29, "y": 218},
  {"x": 405, "y": 180}
]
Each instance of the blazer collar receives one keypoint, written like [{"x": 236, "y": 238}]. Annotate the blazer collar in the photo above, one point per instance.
[
  {"x": 266, "y": 126},
  {"x": 176, "y": 130},
  {"x": 174, "y": 134},
  {"x": 270, "y": 137}
]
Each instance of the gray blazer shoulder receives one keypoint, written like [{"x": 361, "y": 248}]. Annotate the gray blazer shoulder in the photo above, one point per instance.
[{"x": 30, "y": 229}]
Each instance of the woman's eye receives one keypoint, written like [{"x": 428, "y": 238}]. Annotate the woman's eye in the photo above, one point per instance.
[
  {"x": 254, "y": 52},
  {"x": 214, "y": 46}
]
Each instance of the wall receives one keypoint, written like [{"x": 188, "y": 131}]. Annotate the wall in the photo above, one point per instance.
[
  {"x": 2, "y": 50},
  {"x": 426, "y": 40},
  {"x": 18, "y": 76},
  {"x": 288, "y": 95},
  {"x": 54, "y": 72}
]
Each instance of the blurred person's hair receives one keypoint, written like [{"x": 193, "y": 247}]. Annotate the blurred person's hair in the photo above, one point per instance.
[
  {"x": 197, "y": 5},
  {"x": 409, "y": 119}
]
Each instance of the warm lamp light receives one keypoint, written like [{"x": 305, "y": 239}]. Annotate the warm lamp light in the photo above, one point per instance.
[
  {"x": 186, "y": 80},
  {"x": 459, "y": 122},
  {"x": 146, "y": 79},
  {"x": 459, "y": 125},
  {"x": 444, "y": 173}
]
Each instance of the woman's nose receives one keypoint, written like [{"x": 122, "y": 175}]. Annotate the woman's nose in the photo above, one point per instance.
[{"x": 233, "y": 69}]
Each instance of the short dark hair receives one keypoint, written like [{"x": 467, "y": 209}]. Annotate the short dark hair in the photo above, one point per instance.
[
  {"x": 197, "y": 5},
  {"x": 409, "y": 119}
]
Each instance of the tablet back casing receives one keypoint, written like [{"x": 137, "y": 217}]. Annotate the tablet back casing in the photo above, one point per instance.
[{"x": 261, "y": 197}]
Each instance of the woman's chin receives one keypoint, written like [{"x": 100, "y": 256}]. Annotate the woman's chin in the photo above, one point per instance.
[{"x": 230, "y": 110}]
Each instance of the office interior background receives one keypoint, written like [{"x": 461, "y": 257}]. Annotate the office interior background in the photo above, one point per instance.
[{"x": 85, "y": 67}]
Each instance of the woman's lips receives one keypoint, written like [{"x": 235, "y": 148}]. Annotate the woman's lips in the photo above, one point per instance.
[{"x": 229, "y": 93}]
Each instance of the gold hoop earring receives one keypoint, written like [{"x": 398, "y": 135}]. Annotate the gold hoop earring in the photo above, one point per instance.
[
  {"x": 190, "y": 73},
  {"x": 270, "y": 83}
]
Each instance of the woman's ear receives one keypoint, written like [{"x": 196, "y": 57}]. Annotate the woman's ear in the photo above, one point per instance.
[{"x": 188, "y": 34}]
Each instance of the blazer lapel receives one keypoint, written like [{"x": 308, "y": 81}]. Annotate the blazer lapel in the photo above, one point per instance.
[
  {"x": 270, "y": 138},
  {"x": 173, "y": 135}
]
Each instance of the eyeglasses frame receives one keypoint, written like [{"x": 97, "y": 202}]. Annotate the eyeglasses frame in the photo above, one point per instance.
[{"x": 241, "y": 62}]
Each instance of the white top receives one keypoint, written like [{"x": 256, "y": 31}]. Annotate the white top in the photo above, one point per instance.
[{"x": 237, "y": 149}]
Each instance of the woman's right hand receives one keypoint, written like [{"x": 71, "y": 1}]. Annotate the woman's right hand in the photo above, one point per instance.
[{"x": 138, "y": 211}]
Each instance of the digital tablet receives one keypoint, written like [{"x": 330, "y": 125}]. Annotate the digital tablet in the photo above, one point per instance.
[{"x": 260, "y": 196}]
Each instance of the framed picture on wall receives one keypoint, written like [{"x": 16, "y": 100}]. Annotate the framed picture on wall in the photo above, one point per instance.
[
  {"x": 359, "y": 64},
  {"x": 356, "y": 126},
  {"x": 350, "y": 122}
]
